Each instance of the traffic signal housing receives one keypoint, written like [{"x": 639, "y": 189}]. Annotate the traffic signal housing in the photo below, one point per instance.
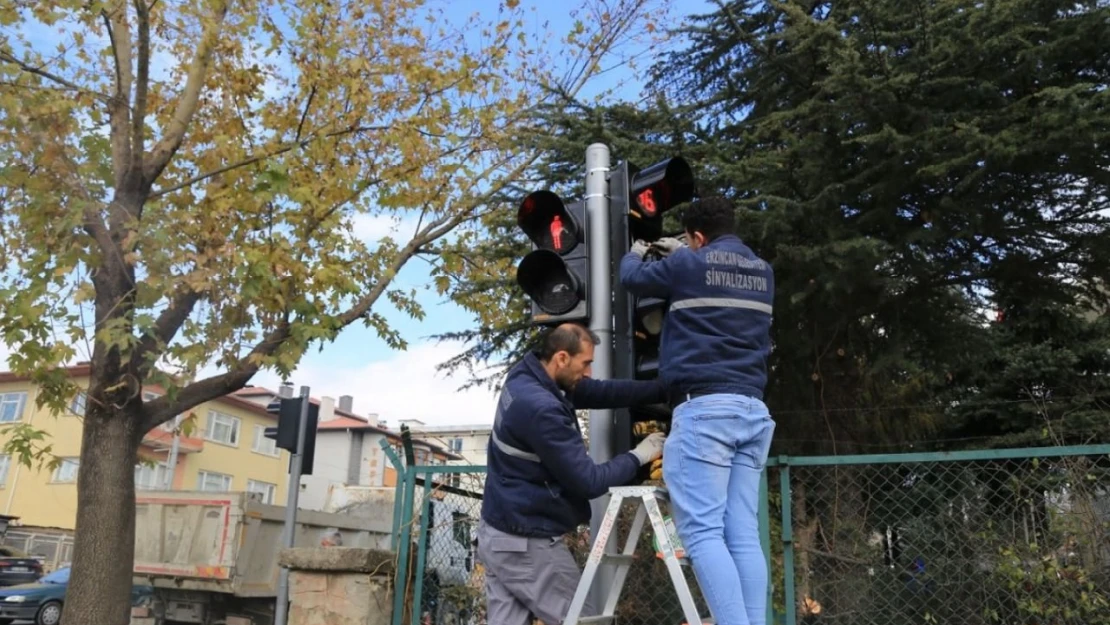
[
  {"x": 652, "y": 192},
  {"x": 288, "y": 411},
  {"x": 555, "y": 274}
]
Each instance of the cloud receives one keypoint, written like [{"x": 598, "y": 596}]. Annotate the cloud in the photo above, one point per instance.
[
  {"x": 371, "y": 228},
  {"x": 405, "y": 385}
]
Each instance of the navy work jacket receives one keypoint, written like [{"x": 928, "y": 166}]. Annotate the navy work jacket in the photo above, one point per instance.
[
  {"x": 541, "y": 478},
  {"x": 716, "y": 333}
]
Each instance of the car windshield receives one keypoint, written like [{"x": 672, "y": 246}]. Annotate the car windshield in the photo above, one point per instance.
[{"x": 61, "y": 576}]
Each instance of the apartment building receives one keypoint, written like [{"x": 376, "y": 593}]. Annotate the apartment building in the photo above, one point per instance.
[
  {"x": 225, "y": 451},
  {"x": 350, "y": 469},
  {"x": 470, "y": 442}
]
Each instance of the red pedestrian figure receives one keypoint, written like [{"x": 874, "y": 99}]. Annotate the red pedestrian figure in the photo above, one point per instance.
[{"x": 557, "y": 232}]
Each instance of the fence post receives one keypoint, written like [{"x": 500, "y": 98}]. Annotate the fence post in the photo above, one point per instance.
[
  {"x": 421, "y": 551},
  {"x": 765, "y": 540},
  {"x": 401, "y": 582},
  {"x": 398, "y": 493},
  {"x": 789, "y": 600}
]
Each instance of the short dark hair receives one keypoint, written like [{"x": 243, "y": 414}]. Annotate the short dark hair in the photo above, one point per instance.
[
  {"x": 566, "y": 337},
  {"x": 712, "y": 216}
]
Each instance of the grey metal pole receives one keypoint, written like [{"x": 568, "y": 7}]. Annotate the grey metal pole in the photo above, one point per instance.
[
  {"x": 171, "y": 463},
  {"x": 601, "y": 322},
  {"x": 281, "y": 610}
]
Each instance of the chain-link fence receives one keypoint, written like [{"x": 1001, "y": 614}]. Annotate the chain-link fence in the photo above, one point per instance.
[
  {"x": 990, "y": 537},
  {"x": 55, "y": 549},
  {"x": 999, "y": 537},
  {"x": 446, "y": 581}
]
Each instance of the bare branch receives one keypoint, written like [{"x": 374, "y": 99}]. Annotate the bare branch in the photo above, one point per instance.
[
  {"x": 162, "y": 409},
  {"x": 30, "y": 69},
  {"x": 259, "y": 158},
  {"x": 119, "y": 109},
  {"x": 304, "y": 113},
  {"x": 190, "y": 97},
  {"x": 165, "y": 329},
  {"x": 142, "y": 84}
]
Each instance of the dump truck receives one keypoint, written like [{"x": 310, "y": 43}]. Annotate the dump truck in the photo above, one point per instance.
[{"x": 212, "y": 558}]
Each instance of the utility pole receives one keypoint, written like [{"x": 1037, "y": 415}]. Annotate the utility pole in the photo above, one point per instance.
[
  {"x": 281, "y": 612},
  {"x": 171, "y": 462},
  {"x": 601, "y": 323}
]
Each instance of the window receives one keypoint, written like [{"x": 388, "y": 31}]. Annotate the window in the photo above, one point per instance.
[
  {"x": 222, "y": 428},
  {"x": 66, "y": 471},
  {"x": 456, "y": 444},
  {"x": 460, "y": 526},
  {"x": 215, "y": 482},
  {"x": 149, "y": 477},
  {"x": 77, "y": 406},
  {"x": 267, "y": 490},
  {"x": 5, "y": 465},
  {"x": 11, "y": 406},
  {"x": 262, "y": 444}
]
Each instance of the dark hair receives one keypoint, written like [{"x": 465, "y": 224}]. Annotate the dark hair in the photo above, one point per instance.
[
  {"x": 566, "y": 337},
  {"x": 712, "y": 216}
]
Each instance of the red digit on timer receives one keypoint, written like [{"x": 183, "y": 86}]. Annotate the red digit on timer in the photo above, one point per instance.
[{"x": 647, "y": 201}]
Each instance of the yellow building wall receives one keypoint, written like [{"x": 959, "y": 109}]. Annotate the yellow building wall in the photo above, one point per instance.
[
  {"x": 239, "y": 461},
  {"x": 37, "y": 499},
  {"x": 30, "y": 492}
]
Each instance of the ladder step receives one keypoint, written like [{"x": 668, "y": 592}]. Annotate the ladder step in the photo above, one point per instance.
[
  {"x": 596, "y": 620},
  {"x": 618, "y": 558}
]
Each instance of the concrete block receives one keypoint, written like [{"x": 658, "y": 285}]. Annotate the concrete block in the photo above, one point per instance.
[
  {"x": 343, "y": 598},
  {"x": 350, "y": 559}
]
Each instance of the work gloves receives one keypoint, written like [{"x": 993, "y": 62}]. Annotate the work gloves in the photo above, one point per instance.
[
  {"x": 663, "y": 247},
  {"x": 650, "y": 448},
  {"x": 667, "y": 246}
]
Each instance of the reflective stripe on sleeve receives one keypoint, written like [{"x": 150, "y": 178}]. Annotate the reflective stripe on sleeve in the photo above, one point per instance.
[
  {"x": 507, "y": 449},
  {"x": 722, "y": 302}
]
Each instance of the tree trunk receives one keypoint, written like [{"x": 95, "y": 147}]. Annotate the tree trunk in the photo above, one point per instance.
[{"x": 104, "y": 546}]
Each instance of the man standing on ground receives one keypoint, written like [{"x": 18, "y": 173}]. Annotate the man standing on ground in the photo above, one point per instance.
[
  {"x": 541, "y": 478},
  {"x": 713, "y": 359}
]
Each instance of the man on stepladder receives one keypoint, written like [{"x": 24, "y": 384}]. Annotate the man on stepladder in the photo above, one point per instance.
[
  {"x": 713, "y": 359},
  {"x": 541, "y": 478}
]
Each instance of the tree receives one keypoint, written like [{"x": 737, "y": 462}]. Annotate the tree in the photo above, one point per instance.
[{"x": 187, "y": 178}]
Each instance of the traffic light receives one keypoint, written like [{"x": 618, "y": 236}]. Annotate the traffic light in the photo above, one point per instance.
[
  {"x": 639, "y": 199},
  {"x": 654, "y": 191},
  {"x": 288, "y": 411},
  {"x": 555, "y": 274}
]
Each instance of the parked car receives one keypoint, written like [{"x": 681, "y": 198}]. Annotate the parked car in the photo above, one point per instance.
[
  {"x": 17, "y": 567},
  {"x": 41, "y": 601}
]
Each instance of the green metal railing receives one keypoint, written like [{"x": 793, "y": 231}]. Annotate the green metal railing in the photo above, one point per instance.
[{"x": 1001, "y": 536}]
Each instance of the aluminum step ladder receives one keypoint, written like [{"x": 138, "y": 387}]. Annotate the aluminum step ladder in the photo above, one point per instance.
[{"x": 648, "y": 497}]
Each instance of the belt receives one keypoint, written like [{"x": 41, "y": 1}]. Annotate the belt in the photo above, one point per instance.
[{"x": 680, "y": 398}]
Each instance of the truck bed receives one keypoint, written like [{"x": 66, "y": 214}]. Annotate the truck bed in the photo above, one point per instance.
[{"x": 228, "y": 542}]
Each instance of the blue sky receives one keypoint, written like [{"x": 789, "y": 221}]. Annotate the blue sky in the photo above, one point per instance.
[{"x": 402, "y": 385}]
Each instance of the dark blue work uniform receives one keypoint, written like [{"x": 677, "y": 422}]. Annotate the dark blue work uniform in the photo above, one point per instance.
[
  {"x": 713, "y": 357},
  {"x": 539, "y": 486},
  {"x": 716, "y": 335},
  {"x": 541, "y": 478}
]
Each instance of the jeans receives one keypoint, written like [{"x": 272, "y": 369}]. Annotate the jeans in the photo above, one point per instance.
[{"x": 712, "y": 463}]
